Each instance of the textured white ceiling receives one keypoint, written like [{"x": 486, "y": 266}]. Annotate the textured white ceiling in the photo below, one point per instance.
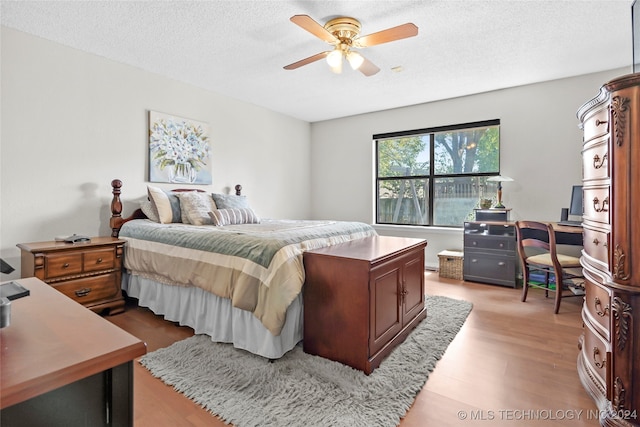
[{"x": 238, "y": 48}]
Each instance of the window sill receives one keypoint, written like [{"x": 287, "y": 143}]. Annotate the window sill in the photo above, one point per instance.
[{"x": 412, "y": 229}]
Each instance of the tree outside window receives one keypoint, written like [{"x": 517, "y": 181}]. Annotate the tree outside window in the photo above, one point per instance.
[{"x": 436, "y": 176}]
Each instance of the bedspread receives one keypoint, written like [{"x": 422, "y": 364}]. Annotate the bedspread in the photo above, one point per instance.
[{"x": 257, "y": 266}]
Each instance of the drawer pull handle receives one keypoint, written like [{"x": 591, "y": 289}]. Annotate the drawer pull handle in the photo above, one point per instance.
[
  {"x": 99, "y": 260},
  {"x": 597, "y": 162},
  {"x": 83, "y": 292},
  {"x": 596, "y": 241},
  {"x": 598, "y": 208},
  {"x": 65, "y": 265},
  {"x": 502, "y": 245},
  {"x": 474, "y": 260},
  {"x": 596, "y": 352},
  {"x": 598, "y": 306},
  {"x": 601, "y": 122},
  {"x": 502, "y": 263}
]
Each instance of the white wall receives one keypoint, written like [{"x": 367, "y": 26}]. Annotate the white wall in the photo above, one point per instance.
[
  {"x": 72, "y": 122},
  {"x": 540, "y": 150}
]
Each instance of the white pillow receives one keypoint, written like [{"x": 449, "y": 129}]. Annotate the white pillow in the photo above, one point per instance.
[
  {"x": 234, "y": 216},
  {"x": 160, "y": 202},
  {"x": 196, "y": 206}
]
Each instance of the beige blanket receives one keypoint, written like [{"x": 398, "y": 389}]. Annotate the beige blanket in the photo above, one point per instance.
[{"x": 261, "y": 272}]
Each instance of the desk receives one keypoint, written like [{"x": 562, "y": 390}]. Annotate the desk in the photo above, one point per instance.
[
  {"x": 63, "y": 365},
  {"x": 567, "y": 234},
  {"x": 491, "y": 253}
]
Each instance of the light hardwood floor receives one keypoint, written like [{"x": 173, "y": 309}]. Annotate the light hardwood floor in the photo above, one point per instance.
[{"x": 511, "y": 364}]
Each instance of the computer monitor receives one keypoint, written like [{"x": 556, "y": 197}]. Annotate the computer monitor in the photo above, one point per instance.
[{"x": 575, "y": 208}]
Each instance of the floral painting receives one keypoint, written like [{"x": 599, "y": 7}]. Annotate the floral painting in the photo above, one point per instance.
[{"x": 178, "y": 150}]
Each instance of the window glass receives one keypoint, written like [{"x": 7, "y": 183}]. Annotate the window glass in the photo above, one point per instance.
[{"x": 436, "y": 176}]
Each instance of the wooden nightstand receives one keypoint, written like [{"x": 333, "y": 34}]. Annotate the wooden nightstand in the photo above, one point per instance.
[{"x": 87, "y": 272}]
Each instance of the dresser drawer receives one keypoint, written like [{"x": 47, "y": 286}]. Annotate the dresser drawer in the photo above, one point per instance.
[
  {"x": 596, "y": 124},
  {"x": 103, "y": 259},
  {"x": 597, "y": 302},
  {"x": 62, "y": 264},
  {"x": 595, "y": 160},
  {"x": 489, "y": 242},
  {"x": 89, "y": 289},
  {"x": 594, "y": 351},
  {"x": 596, "y": 204},
  {"x": 490, "y": 268},
  {"x": 596, "y": 244}
]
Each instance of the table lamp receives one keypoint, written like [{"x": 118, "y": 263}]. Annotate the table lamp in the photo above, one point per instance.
[{"x": 499, "y": 179}]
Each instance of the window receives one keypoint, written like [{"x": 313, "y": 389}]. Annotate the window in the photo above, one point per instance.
[{"x": 436, "y": 176}]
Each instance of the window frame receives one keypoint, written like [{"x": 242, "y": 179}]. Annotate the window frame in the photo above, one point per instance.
[{"x": 432, "y": 176}]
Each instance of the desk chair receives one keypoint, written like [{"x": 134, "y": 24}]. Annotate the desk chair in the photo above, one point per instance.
[{"x": 539, "y": 256}]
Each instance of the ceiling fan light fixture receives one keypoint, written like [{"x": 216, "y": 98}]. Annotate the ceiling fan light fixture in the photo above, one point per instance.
[
  {"x": 355, "y": 60},
  {"x": 334, "y": 59},
  {"x": 343, "y": 33},
  {"x": 338, "y": 68}
]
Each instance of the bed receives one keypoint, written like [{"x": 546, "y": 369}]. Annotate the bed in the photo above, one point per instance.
[{"x": 212, "y": 264}]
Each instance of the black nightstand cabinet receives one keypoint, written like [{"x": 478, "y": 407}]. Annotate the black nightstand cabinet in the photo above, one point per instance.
[{"x": 490, "y": 253}]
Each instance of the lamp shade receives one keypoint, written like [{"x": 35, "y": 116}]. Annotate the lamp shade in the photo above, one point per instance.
[
  {"x": 355, "y": 60},
  {"x": 334, "y": 59},
  {"x": 500, "y": 178}
]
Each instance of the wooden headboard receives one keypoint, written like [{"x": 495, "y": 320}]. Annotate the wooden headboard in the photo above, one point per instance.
[{"x": 116, "y": 221}]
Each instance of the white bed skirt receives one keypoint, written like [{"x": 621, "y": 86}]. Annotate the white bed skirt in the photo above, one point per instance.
[{"x": 209, "y": 314}]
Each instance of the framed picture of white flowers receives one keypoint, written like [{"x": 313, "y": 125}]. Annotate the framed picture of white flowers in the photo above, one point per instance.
[{"x": 178, "y": 150}]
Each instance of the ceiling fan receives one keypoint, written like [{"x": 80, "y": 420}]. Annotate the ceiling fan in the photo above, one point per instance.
[{"x": 344, "y": 34}]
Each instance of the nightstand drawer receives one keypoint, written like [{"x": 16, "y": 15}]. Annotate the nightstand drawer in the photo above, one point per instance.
[
  {"x": 89, "y": 289},
  {"x": 103, "y": 259},
  {"x": 59, "y": 265}
]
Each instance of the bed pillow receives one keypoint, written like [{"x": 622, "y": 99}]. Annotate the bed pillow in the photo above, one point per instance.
[
  {"x": 147, "y": 208},
  {"x": 230, "y": 201},
  {"x": 160, "y": 204},
  {"x": 222, "y": 217},
  {"x": 166, "y": 204},
  {"x": 196, "y": 206},
  {"x": 175, "y": 207}
]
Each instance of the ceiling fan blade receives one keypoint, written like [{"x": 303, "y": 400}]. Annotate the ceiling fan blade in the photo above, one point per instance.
[
  {"x": 391, "y": 34},
  {"x": 309, "y": 60},
  {"x": 368, "y": 68},
  {"x": 307, "y": 23}
]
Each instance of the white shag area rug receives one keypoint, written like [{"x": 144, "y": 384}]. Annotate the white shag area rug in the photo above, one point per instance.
[{"x": 304, "y": 390}]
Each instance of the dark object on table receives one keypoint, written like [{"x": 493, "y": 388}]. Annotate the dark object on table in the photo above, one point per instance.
[
  {"x": 5, "y": 268},
  {"x": 13, "y": 290}
]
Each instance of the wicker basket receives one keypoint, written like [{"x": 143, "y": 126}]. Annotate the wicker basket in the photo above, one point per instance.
[{"x": 451, "y": 264}]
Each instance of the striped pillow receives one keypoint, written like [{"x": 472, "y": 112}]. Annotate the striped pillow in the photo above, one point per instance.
[{"x": 234, "y": 216}]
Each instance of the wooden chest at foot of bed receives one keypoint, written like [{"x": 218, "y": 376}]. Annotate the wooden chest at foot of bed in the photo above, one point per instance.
[
  {"x": 362, "y": 298},
  {"x": 87, "y": 272}
]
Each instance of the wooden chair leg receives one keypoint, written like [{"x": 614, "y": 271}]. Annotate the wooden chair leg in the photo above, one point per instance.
[
  {"x": 559, "y": 285},
  {"x": 525, "y": 284}
]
